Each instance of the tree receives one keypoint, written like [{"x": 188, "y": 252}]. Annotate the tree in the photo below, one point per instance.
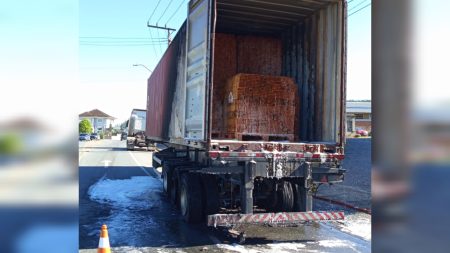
[
  {"x": 85, "y": 126},
  {"x": 10, "y": 144}
]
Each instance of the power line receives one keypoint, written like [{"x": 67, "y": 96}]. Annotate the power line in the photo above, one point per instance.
[
  {"x": 178, "y": 8},
  {"x": 164, "y": 12},
  {"x": 168, "y": 29},
  {"x": 359, "y": 10},
  {"x": 123, "y": 41},
  {"x": 160, "y": 47},
  {"x": 151, "y": 37},
  {"x": 116, "y": 38},
  {"x": 354, "y": 7},
  {"x": 153, "y": 11},
  {"x": 349, "y": 1},
  {"x": 149, "y": 31},
  {"x": 118, "y": 45}
]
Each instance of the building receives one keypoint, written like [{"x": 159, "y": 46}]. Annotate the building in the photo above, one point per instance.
[
  {"x": 359, "y": 115},
  {"x": 100, "y": 121}
]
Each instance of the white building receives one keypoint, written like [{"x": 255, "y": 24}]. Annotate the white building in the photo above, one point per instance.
[
  {"x": 359, "y": 115},
  {"x": 100, "y": 121}
]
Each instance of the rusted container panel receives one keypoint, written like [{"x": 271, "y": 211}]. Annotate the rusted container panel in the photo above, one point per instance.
[
  {"x": 261, "y": 107},
  {"x": 160, "y": 92},
  {"x": 225, "y": 66}
]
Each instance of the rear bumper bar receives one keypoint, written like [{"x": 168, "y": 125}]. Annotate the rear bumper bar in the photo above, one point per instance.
[{"x": 272, "y": 218}]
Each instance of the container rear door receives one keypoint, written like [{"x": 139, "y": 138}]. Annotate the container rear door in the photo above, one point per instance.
[{"x": 197, "y": 68}]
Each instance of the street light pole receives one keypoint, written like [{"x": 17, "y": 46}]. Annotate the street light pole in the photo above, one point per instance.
[{"x": 135, "y": 65}]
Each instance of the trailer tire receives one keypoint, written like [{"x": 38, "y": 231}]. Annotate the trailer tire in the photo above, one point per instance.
[
  {"x": 299, "y": 197},
  {"x": 167, "y": 179},
  {"x": 211, "y": 194},
  {"x": 175, "y": 192},
  {"x": 271, "y": 201},
  {"x": 285, "y": 197},
  {"x": 191, "y": 197}
]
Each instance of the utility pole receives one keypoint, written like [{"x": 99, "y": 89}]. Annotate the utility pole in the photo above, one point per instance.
[{"x": 169, "y": 31}]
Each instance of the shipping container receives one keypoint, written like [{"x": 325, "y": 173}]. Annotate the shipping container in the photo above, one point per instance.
[
  {"x": 252, "y": 84},
  {"x": 135, "y": 135}
]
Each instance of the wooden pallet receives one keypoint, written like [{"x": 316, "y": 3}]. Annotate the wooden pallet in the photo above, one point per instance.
[{"x": 264, "y": 137}]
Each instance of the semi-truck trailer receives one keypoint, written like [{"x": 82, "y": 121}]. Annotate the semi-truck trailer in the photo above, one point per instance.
[
  {"x": 136, "y": 130},
  {"x": 249, "y": 98}
]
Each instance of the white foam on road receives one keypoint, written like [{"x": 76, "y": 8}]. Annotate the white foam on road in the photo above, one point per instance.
[
  {"x": 126, "y": 199},
  {"x": 334, "y": 243},
  {"x": 285, "y": 247},
  {"x": 359, "y": 225},
  {"x": 278, "y": 247},
  {"x": 133, "y": 193},
  {"x": 236, "y": 248}
]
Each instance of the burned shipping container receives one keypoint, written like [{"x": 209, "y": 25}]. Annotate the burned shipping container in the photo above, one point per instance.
[
  {"x": 301, "y": 40},
  {"x": 249, "y": 99}
]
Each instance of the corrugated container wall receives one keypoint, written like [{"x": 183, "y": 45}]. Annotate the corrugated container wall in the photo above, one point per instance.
[
  {"x": 314, "y": 55},
  {"x": 313, "y": 37}
]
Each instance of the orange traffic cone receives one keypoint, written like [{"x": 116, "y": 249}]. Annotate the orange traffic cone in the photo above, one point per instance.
[{"x": 103, "y": 244}]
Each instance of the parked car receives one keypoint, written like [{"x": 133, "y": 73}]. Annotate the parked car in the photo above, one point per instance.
[
  {"x": 123, "y": 136},
  {"x": 362, "y": 132},
  {"x": 95, "y": 136},
  {"x": 85, "y": 137}
]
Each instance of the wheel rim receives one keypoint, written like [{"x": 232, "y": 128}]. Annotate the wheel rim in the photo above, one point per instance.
[
  {"x": 183, "y": 201},
  {"x": 287, "y": 197}
]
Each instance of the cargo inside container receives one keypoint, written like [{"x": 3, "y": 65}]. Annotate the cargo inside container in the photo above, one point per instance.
[{"x": 302, "y": 40}]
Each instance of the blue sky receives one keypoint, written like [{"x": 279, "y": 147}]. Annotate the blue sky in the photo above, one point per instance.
[
  {"x": 41, "y": 54},
  {"x": 359, "y": 50},
  {"x": 108, "y": 69},
  {"x": 39, "y": 62},
  {"x": 106, "y": 63}
]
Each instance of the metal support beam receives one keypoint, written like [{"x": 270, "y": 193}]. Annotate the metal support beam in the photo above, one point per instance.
[
  {"x": 247, "y": 189},
  {"x": 308, "y": 186}
]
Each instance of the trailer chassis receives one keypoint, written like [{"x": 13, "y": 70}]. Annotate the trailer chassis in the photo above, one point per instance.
[{"x": 192, "y": 178}]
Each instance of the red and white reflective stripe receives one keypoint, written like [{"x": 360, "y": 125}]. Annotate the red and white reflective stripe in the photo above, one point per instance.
[
  {"x": 272, "y": 218},
  {"x": 216, "y": 154}
]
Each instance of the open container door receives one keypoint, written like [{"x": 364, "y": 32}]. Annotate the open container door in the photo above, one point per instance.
[{"x": 197, "y": 68}]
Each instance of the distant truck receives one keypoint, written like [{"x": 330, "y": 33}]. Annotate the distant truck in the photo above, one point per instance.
[
  {"x": 249, "y": 98},
  {"x": 136, "y": 131}
]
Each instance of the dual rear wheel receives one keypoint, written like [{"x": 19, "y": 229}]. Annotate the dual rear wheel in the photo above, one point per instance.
[
  {"x": 286, "y": 196},
  {"x": 196, "y": 195}
]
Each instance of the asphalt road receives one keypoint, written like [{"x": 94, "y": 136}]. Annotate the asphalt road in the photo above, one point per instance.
[
  {"x": 121, "y": 189},
  {"x": 355, "y": 189}
]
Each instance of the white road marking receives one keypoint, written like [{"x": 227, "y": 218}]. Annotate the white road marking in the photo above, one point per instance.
[
  {"x": 138, "y": 164},
  {"x": 80, "y": 155},
  {"x": 106, "y": 162}
]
